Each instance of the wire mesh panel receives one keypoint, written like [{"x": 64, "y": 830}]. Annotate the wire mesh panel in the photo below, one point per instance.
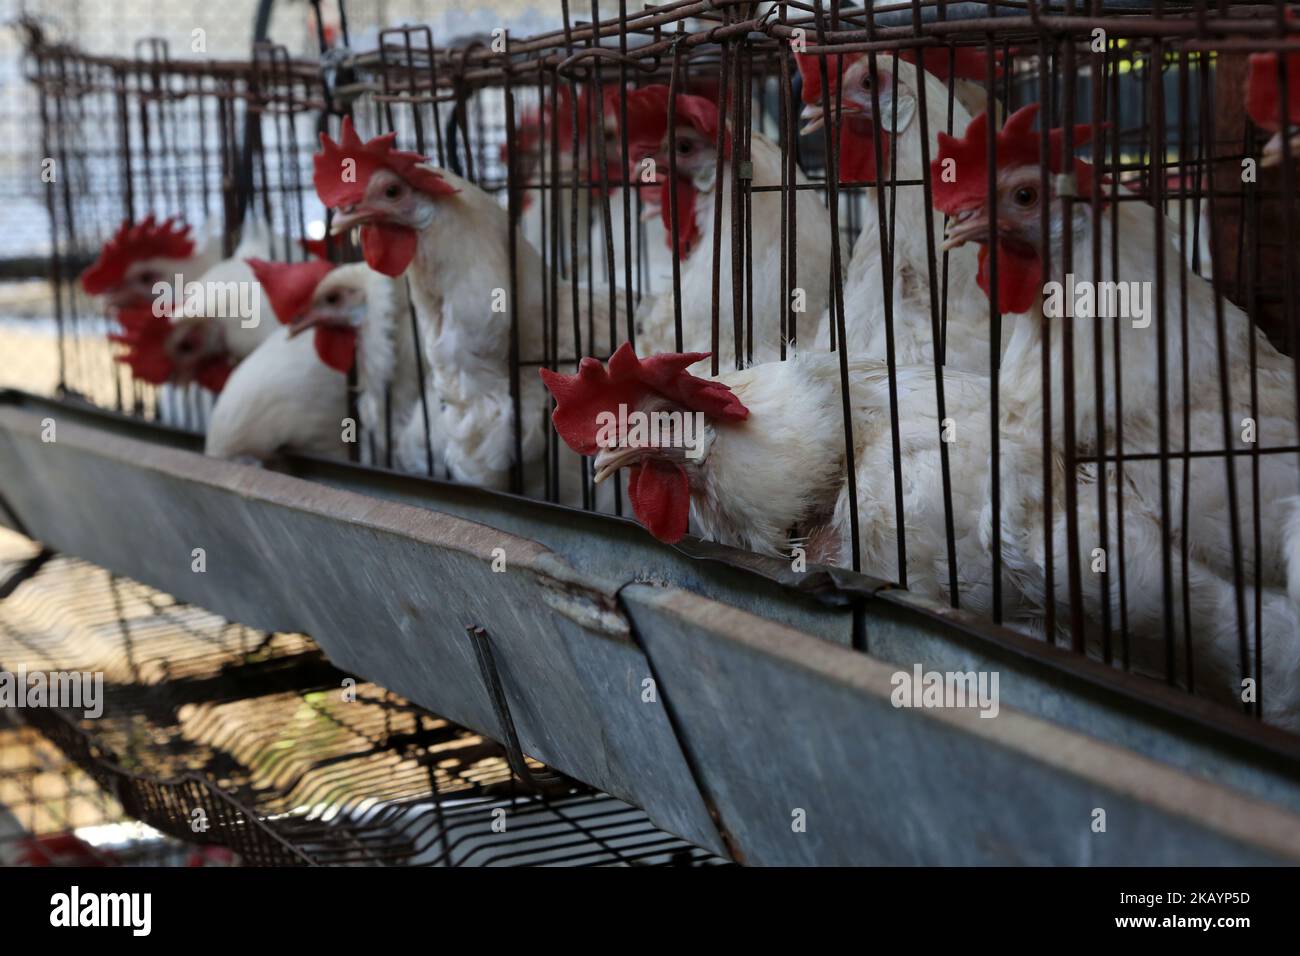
[
  {"x": 999, "y": 298},
  {"x": 248, "y": 747},
  {"x": 56, "y": 815},
  {"x": 1134, "y": 394}
]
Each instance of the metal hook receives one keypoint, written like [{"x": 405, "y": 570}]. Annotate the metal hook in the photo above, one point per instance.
[{"x": 487, "y": 665}]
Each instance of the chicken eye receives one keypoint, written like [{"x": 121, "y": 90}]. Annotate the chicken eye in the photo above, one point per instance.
[
  {"x": 332, "y": 298},
  {"x": 865, "y": 82},
  {"x": 1025, "y": 196},
  {"x": 685, "y": 147},
  {"x": 393, "y": 191}
]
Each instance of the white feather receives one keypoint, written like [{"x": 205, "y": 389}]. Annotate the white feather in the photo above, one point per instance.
[
  {"x": 780, "y": 473},
  {"x": 282, "y": 398},
  {"x": 460, "y": 284}
]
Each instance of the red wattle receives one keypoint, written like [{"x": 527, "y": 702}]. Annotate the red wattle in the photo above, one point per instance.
[
  {"x": 387, "y": 248},
  {"x": 1020, "y": 277},
  {"x": 336, "y": 347},
  {"x": 858, "y": 152},
  {"x": 688, "y": 233},
  {"x": 661, "y": 498}
]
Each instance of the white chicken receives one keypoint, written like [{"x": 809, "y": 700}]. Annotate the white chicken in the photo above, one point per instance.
[
  {"x": 227, "y": 302},
  {"x": 871, "y": 279},
  {"x": 766, "y": 464},
  {"x": 452, "y": 242},
  {"x": 162, "y": 352},
  {"x": 290, "y": 394},
  {"x": 141, "y": 255},
  {"x": 212, "y": 329},
  {"x": 695, "y": 166},
  {"x": 1090, "y": 303},
  {"x": 959, "y": 312},
  {"x": 548, "y": 208},
  {"x": 126, "y": 276}
]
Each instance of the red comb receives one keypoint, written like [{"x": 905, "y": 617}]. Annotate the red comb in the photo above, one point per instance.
[
  {"x": 1017, "y": 144},
  {"x": 580, "y": 398},
  {"x": 700, "y": 112},
  {"x": 144, "y": 335},
  {"x": 811, "y": 72},
  {"x": 368, "y": 158},
  {"x": 131, "y": 243},
  {"x": 647, "y": 115},
  {"x": 289, "y": 285},
  {"x": 1263, "y": 92}
]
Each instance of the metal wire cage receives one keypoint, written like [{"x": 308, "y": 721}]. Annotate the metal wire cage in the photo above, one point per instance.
[{"x": 1131, "y": 479}]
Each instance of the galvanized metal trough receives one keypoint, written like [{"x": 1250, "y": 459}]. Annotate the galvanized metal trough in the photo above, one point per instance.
[{"x": 745, "y": 707}]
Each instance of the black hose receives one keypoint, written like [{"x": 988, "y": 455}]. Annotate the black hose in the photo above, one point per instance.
[
  {"x": 252, "y": 127},
  {"x": 452, "y": 138}
]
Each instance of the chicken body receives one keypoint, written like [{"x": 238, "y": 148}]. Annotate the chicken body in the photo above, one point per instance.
[
  {"x": 281, "y": 398},
  {"x": 1134, "y": 340},
  {"x": 780, "y": 473},
  {"x": 284, "y": 398},
  {"x": 387, "y": 383},
  {"x": 459, "y": 285},
  {"x": 872, "y": 279}
]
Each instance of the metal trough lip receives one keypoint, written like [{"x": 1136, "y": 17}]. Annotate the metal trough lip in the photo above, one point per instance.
[
  {"x": 702, "y": 644},
  {"x": 832, "y": 586}
]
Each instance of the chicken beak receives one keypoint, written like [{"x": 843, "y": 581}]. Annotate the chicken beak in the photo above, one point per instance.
[
  {"x": 317, "y": 320},
  {"x": 360, "y": 215},
  {"x": 308, "y": 321},
  {"x": 812, "y": 118},
  {"x": 970, "y": 225},
  {"x": 610, "y": 460}
]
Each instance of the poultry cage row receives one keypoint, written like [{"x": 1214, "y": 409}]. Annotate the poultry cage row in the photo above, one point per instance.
[
  {"x": 1159, "y": 97},
  {"x": 884, "y": 211},
  {"x": 236, "y": 747}
]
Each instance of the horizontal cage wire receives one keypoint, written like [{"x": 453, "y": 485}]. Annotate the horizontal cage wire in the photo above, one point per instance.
[
  {"x": 239, "y": 747},
  {"x": 1003, "y": 292}
]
